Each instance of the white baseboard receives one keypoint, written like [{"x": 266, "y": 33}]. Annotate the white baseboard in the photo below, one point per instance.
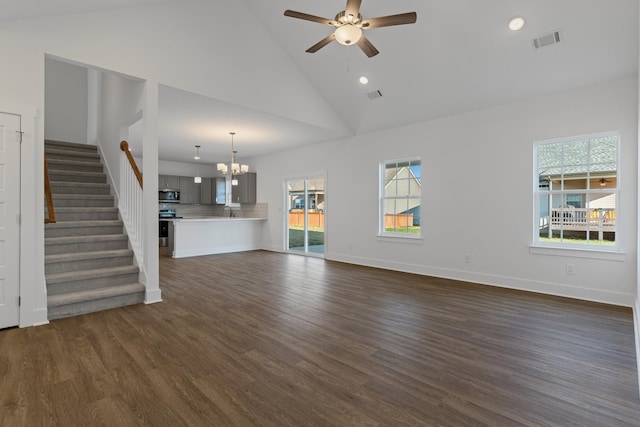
[
  {"x": 153, "y": 296},
  {"x": 39, "y": 317},
  {"x": 636, "y": 322},
  {"x": 557, "y": 289},
  {"x": 215, "y": 250},
  {"x": 272, "y": 248}
]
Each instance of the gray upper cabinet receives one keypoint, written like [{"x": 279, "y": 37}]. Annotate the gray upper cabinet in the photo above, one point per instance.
[
  {"x": 189, "y": 191},
  {"x": 207, "y": 191},
  {"x": 168, "y": 181},
  {"x": 245, "y": 191}
]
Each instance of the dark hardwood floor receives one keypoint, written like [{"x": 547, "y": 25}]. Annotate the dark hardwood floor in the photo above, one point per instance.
[{"x": 270, "y": 339}]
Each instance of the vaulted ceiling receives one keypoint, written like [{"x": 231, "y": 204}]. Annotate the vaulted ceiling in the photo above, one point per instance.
[{"x": 458, "y": 57}]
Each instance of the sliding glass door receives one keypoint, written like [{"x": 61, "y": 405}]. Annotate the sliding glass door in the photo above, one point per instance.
[{"x": 306, "y": 215}]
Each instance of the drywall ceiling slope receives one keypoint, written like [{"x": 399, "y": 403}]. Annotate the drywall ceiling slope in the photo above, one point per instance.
[
  {"x": 459, "y": 56},
  {"x": 194, "y": 47},
  {"x": 29, "y": 9},
  {"x": 188, "y": 119}
]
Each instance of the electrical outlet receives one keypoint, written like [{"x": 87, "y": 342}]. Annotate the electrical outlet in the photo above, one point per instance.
[{"x": 570, "y": 269}]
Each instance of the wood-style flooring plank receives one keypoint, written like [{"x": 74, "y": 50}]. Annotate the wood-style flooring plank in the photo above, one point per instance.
[{"x": 268, "y": 339}]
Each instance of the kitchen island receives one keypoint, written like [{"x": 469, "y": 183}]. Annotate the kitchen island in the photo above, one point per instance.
[{"x": 214, "y": 235}]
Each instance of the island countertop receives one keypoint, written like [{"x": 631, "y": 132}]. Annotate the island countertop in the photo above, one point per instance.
[
  {"x": 215, "y": 218},
  {"x": 198, "y": 235}
]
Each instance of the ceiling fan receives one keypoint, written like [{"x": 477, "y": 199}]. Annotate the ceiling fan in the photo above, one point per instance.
[{"x": 349, "y": 25}]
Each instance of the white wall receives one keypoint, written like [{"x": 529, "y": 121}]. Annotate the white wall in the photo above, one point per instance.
[
  {"x": 477, "y": 194},
  {"x": 122, "y": 104},
  {"x": 205, "y": 170},
  {"x": 66, "y": 97}
]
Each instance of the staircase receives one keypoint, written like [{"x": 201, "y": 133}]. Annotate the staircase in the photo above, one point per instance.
[{"x": 88, "y": 264}]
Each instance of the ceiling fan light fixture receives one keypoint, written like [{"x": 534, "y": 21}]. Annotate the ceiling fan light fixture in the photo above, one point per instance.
[{"x": 348, "y": 34}]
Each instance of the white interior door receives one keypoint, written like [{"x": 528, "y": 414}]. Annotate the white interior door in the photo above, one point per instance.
[{"x": 9, "y": 220}]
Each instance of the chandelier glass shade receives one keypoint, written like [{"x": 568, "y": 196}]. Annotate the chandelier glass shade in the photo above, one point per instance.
[{"x": 233, "y": 168}]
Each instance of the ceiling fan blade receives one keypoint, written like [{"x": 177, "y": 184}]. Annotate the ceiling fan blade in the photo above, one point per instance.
[
  {"x": 366, "y": 46},
  {"x": 307, "y": 17},
  {"x": 387, "y": 21},
  {"x": 352, "y": 7},
  {"x": 322, "y": 43}
]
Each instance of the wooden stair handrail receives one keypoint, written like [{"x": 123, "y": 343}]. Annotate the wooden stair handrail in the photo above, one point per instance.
[
  {"x": 51, "y": 214},
  {"x": 124, "y": 146}
]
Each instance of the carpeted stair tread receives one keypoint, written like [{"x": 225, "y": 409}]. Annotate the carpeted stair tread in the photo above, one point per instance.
[
  {"x": 80, "y": 239},
  {"x": 81, "y": 196},
  {"x": 83, "y": 200},
  {"x": 55, "y": 164},
  {"x": 87, "y": 209},
  {"x": 53, "y": 152},
  {"x": 90, "y": 274},
  {"x": 94, "y": 294},
  {"x": 93, "y": 223},
  {"x": 73, "y": 176},
  {"x": 72, "y": 146},
  {"x": 79, "y": 184},
  {"x": 79, "y": 256}
]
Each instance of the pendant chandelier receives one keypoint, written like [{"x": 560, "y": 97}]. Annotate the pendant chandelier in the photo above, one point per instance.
[{"x": 234, "y": 168}]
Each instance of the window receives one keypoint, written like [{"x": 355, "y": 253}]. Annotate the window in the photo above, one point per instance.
[
  {"x": 576, "y": 191},
  {"x": 400, "y": 189}
]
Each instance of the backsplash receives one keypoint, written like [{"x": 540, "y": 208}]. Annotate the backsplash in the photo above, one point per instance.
[{"x": 259, "y": 210}]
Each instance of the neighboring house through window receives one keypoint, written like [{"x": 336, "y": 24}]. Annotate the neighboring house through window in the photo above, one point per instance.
[
  {"x": 400, "y": 192},
  {"x": 576, "y": 191}
]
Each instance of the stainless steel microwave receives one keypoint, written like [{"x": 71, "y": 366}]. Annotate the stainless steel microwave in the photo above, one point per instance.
[{"x": 168, "y": 195}]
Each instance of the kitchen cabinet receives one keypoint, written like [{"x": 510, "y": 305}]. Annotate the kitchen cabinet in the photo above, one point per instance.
[
  {"x": 168, "y": 181},
  {"x": 213, "y": 191},
  {"x": 245, "y": 191},
  {"x": 189, "y": 191},
  {"x": 207, "y": 191}
]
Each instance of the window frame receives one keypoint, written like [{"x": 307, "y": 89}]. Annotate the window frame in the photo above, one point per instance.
[
  {"x": 540, "y": 190},
  {"x": 382, "y": 199}
]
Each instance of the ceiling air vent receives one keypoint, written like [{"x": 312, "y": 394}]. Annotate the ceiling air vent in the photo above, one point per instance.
[
  {"x": 547, "y": 40},
  {"x": 375, "y": 94}
]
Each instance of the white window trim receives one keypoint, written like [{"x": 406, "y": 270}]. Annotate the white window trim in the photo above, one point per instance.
[
  {"x": 567, "y": 249},
  {"x": 390, "y": 236}
]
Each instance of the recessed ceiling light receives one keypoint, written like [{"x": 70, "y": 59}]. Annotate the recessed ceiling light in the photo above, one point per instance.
[
  {"x": 364, "y": 80},
  {"x": 516, "y": 23}
]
